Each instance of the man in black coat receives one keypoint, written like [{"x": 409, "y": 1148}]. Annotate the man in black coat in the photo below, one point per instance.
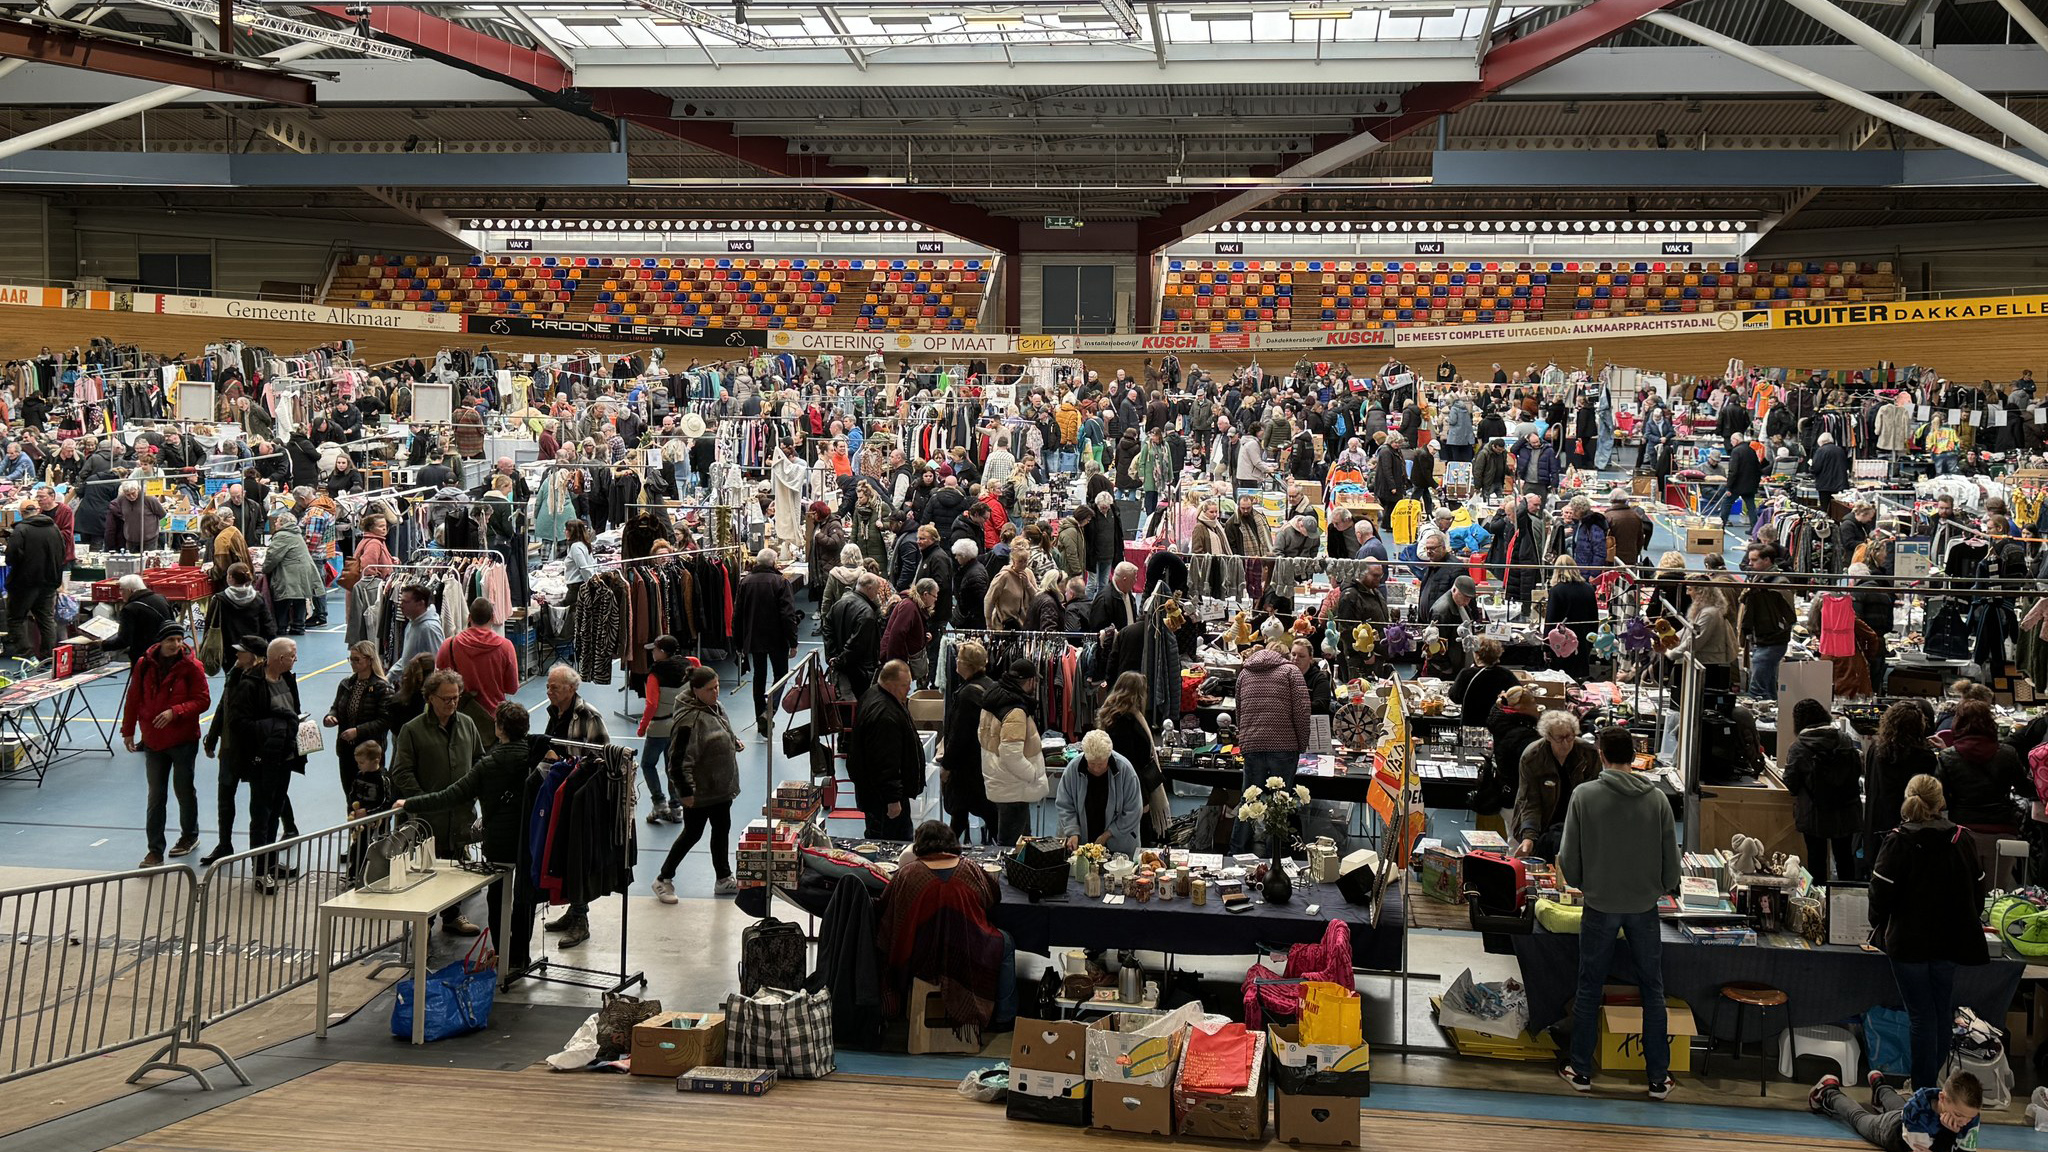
[
  {"x": 970, "y": 584},
  {"x": 884, "y": 757},
  {"x": 764, "y": 622},
  {"x": 35, "y": 571},
  {"x": 143, "y": 615},
  {"x": 1745, "y": 476},
  {"x": 1117, "y": 605},
  {"x": 1830, "y": 468},
  {"x": 853, "y": 636},
  {"x": 936, "y": 566}
]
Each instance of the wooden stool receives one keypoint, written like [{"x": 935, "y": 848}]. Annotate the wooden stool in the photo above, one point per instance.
[
  {"x": 1760, "y": 1000},
  {"x": 930, "y": 1032}
]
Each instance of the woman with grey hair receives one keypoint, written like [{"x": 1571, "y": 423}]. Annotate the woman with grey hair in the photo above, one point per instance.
[
  {"x": 1553, "y": 765},
  {"x": 134, "y": 519},
  {"x": 294, "y": 578}
]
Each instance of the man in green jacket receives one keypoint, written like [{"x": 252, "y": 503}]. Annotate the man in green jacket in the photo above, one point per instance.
[
  {"x": 1617, "y": 823},
  {"x": 432, "y": 752},
  {"x": 1073, "y": 541},
  {"x": 496, "y": 784}
]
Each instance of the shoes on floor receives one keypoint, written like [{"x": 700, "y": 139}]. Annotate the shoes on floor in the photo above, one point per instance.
[
  {"x": 1579, "y": 1081},
  {"x": 460, "y": 926},
  {"x": 665, "y": 891},
  {"x": 220, "y": 852},
  {"x": 658, "y": 814},
  {"x": 726, "y": 886},
  {"x": 267, "y": 885},
  {"x": 284, "y": 872},
  {"x": 563, "y": 923},
  {"x": 185, "y": 845},
  {"x": 1662, "y": 1088},
  {"x": 151, "y": 860},
  {"x": 576, "y": 934},
  {"x": 1817, "y": 1100},
  {"x": 1876, "y": 1081}
]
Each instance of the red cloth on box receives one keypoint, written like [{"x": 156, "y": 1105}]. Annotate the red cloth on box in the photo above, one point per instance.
[{"x": 1219, "y": 1064}]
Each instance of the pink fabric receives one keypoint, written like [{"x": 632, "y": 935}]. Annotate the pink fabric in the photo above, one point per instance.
[{"x": 489, "y": 666}]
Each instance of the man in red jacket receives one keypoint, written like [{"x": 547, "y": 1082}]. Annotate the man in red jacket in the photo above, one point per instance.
[
  {"x": 166, "y": 693},
  {"x": 488, "y": 664}
]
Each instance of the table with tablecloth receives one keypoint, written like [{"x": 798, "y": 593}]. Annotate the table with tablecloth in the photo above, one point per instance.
[
  {"x": 1825, "y": 984},
  {"x": 1176, "y": 926}
]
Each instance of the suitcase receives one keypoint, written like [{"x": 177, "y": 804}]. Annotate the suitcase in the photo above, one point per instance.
[
  {"x": 772, "y": 955},
  {"x": 1497, "y": 900}
]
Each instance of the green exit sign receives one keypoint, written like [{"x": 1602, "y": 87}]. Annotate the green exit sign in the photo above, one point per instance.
[{"x": 1062, "y": 221}]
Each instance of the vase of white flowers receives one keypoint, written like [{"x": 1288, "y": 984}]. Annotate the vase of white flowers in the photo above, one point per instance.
[{"x": 1272, "y": 809}]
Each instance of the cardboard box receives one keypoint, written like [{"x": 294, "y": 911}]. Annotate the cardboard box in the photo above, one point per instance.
[
  {"x": 1705, "y": 540},
  {"x": 1318, "y": 1069},
  {"x": 1121, "y": 1051},
  {"x": 1050, "y": 1046},
  {"x": 1122, "y": 1106},
  {"x": 1621, "y": 1036},
  {"x": 1330, "y": 1121},
  {"x": 927, "y": 709},
  {"x": 1241, "y": 1115},
  {"x": 1047, "y": 1097},
  {"x": 727, "y": 1081},
  {"x": 1443, "y": 875},
  {"x": 672, "y": 1043}
]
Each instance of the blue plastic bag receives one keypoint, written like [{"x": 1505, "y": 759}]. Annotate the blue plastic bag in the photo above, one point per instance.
[
  {"x": 458, "y": 1001},
  {"x": 1888, "y": 1041}
]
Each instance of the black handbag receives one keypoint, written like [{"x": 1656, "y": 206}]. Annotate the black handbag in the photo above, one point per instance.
[{"x": 797, "y": 740}]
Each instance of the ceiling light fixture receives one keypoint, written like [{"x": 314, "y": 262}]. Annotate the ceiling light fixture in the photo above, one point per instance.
[
  {"x": 257, "y": 21},
  {"x": 1319, "y": 14}
]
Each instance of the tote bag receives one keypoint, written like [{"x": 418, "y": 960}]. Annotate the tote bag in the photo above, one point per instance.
[
  {"x": 457, "y": 1000},
  {"x": 788, "y": 1032}
]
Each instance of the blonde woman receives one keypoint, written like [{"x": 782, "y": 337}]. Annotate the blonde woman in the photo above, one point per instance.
[
  {"x": 1710, "y": 634},
  {"x": 1572, "y": 604},
  {"x": 1122, "y": 716}
]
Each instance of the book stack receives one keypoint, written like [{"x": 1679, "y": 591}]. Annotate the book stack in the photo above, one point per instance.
[
  {"x": 767, "y": 854},
  {"x": 794, "y": 800},
  {"x": 1699, "y": 893}
]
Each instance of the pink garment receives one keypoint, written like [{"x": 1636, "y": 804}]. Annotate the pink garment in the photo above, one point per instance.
[{"x": 498, "y": 590}]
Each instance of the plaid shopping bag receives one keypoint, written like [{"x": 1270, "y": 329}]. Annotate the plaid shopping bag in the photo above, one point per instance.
[{"x": 789, "y": 1032}]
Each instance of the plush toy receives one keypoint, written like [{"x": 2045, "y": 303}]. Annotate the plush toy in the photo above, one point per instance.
[
  {"x": 1636, "y": 635},
  {"x": 1604, "y": 643},
  {"x": 1365, "y": 638},
  {"x": 1563, "y": 641},
  {"x": 1400, "y": 641}
]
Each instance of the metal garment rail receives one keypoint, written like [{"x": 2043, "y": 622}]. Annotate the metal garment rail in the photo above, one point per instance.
[{"x": 579, "y": 976}]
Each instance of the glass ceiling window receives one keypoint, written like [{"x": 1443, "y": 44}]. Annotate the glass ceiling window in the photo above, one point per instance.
[{"x": 772, "y": 24}]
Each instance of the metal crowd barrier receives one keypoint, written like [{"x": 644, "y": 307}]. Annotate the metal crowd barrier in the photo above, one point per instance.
[
  {"x": 94, "y": 965},
  {"x": 106, "y": 962}
]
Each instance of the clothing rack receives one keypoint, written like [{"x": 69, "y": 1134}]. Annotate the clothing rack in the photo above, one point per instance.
[{"x": 577, "y": 975}]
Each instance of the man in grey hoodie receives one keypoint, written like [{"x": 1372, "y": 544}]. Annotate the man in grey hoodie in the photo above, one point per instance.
[{"x": 1617, "y": 823}]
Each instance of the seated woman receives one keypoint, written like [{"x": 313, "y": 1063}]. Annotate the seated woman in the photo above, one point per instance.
[{"x": 933, "y": 926}]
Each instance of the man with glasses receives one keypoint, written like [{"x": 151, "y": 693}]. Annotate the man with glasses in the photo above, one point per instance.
[{"x": 432, "y": 752}]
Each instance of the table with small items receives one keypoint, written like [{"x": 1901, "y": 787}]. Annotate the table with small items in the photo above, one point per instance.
[
  {"x": 1825, "y": 983},
  {"x": 31, "y": 735}
]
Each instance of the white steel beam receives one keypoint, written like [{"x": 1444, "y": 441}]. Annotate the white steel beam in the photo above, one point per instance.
[
  {"x": 1991, "y": 154},
  {"x": 2025, "y": 18}
]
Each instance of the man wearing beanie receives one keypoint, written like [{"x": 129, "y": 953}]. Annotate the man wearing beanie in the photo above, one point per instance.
[{"x": 166, "y": 693}]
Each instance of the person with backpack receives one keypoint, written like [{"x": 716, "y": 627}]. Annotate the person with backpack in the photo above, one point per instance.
[
  {"x": 1824, "y": 773},
  {"x": 1980, "y": 774}
]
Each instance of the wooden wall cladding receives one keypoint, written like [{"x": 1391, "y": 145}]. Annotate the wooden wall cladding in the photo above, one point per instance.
[{"x": 1960, "y": 350}]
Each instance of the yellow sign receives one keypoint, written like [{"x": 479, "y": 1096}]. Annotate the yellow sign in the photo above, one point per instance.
[
  {"x": 1034, "y": 345},
  {"x": 1914, "y": 312},
  {"x": 1744, "y": 320}
]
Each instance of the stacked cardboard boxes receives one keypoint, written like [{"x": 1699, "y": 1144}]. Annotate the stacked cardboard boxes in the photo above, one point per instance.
[
  {"x": 1132, "y": 1061},
  {"x": 1239, "y": 1115},
  {"x": 1048, "y": 1072},
  {"x": 1316, "y": 1089}
]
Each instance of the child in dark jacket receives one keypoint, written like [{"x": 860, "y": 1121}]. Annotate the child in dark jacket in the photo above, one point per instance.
[
  {"x": 370, "y": 792},
  {"x": 1940, "y": 1119},
  {"x": 494, "y": 785}
]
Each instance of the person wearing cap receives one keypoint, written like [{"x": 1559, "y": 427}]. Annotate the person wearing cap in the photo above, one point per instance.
[
  {"x": 1452, "y": 613},
  {"x": 1628, "y": 531},
  {"x": 666, "y": 680},
  {"x": 35, "y": 571},
  {"x": 166, "y": 693}
]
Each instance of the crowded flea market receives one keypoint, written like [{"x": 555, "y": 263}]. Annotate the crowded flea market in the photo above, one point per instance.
[{"x": 1350, "y": 575}]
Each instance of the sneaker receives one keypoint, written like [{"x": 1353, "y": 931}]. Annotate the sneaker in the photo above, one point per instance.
[
  {"x": 151, "y": 860},
  {"x": 460, "y": 926},
  {"x": 220, "y": 852},
  {"x": 284, "y": 872},
  {"x": 1662, "y": 1088},
  {"x": 658, "y": 814},
  {"x": 185, "y": 845},
  {"x": 665, "y": 891},
  {"x": 1572, "y": 1076},
  {"x": 1817, "y": 1100},
  {"x": 675, "y": 814},
  {"x": 575, "y": 934},
  {"x": 266, "y": 885},
  {"x": 726, "y": 887},
  {"x": 1875, "y": 1080}
]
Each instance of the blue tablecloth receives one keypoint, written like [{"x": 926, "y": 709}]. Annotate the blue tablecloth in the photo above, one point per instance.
[{"x": 1826, "y": 984}]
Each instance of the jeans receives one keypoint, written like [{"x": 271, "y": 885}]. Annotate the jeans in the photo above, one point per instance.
[
  {"x": 1013, "y": 822},
  {"x": 269, "y": 799},
  {"x": 717, "y": 817},
  {"x": 1457, "y": 453},
  {"x": 650, "y": 768},
  {"x": 1258, "y": 767},
  {"x": 1151, "y": 504},
  {"x": 1596, "y": 953},
  {"x": 1064, "y": 460},
  {"x": 1884, "y": 1129},
  {"x": 682, "y": 476},
  {"x": 778, "y": 661},
  {"x": 1945, "y": 463},
  {"x": 1844, "y": 848},
  {"x": 1929, "y": 993},
  {"x": 171, "y": 767},
  {"x": 316, "y": 609},
  {"x": 291, "y": 615},
  {"x": 1763, "y": 670},
  {"x": 39, "y": 605},
  {"x": 1099, "y": 579}
]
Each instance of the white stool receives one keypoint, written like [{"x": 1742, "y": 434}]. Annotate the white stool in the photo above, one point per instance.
[{"x": 1826, "y": 1041}]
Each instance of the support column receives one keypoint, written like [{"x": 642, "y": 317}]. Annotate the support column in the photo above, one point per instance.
[
  {"x": 1145, "y": 316},
  {"x": 65, "y": 129},
  {"x": 1013, "y": 291}
]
